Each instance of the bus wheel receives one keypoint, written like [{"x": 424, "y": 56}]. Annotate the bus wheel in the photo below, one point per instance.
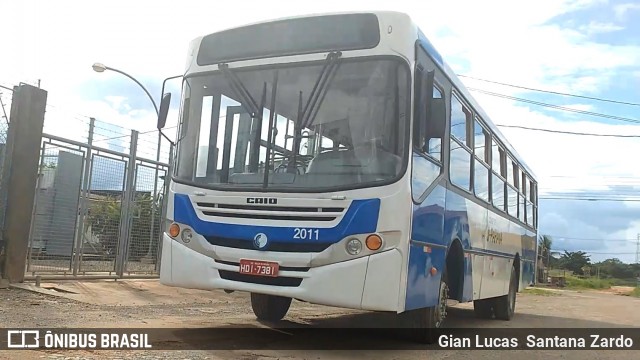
[
  {"x": 483, "y": 308},
  {"x": 269, "y": 307},
  {"x": 505, "y": 306},
  {"x": 426, "y": 322}
]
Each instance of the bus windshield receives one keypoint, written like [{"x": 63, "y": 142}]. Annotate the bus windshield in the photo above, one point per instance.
[{"x": 291, "y": 128}]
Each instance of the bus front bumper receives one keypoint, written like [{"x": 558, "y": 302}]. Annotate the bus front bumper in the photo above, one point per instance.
[{"x": 367, "y": 283}]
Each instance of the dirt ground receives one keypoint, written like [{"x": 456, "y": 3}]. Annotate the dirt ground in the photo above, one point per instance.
[{"x": 146, "y": 303}]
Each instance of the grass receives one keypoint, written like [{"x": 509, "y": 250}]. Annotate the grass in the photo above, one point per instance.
[
  {"x": 588, "y": 283},
  {"x": 540, "y": 292},
  {"x": 635, "y": 292}
]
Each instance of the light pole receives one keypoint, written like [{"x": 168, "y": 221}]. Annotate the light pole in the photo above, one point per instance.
[{"x": 99, "y": 67}]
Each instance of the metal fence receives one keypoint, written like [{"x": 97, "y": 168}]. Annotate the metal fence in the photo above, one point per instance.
[
  {"x": 6, "y": 97},
  {"x": 99, "y": 205}
]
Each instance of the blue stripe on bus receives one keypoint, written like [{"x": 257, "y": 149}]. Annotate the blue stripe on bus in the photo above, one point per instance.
[
  {"x": 439, "y": 219},
  {"x": 427, "y": 225},
  {"x": 360, "y": 218}
]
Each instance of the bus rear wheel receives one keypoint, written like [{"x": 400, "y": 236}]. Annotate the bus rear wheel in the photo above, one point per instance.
[
  {"x": 505, "y": 306},
  {"x": 483, "y": 308},
  {"x": 269, "y": 307}
]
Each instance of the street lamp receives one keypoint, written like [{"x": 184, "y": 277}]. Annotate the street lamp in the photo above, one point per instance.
[{"x": 99, "y": 67}]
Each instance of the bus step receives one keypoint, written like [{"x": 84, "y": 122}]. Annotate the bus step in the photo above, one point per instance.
[{"x": 451, "y": 302}]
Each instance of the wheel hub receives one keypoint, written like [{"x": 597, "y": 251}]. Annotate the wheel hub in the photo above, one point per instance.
[{"x": 441, "y": 309}]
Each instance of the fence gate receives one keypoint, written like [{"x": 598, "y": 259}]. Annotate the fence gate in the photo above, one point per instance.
[{"x": 97, "y": 212}]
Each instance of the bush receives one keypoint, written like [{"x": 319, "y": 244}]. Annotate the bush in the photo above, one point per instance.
[
  {"x": 587, "y": 283},
  {"x": 105, "y": 220}
]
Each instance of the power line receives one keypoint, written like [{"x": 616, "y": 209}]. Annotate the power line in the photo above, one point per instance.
[
  {"x": 558, "y": 107},
  {"x": 587, "y": 199},
  {"x": 595, "y": 252},
  {"x": 553, "y": 92},
  {"x": 590, "y": 239},
  {"x": 597, "y": 176},
  {"x": 568, "y": 132},
  {"x": 141, "y": 133}
]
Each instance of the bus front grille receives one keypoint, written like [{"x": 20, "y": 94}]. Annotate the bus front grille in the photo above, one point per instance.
[
  {"x": 272, "y": 246},
  {"x": 270, "y": 212},
  {"x": 262, "y": 280}
]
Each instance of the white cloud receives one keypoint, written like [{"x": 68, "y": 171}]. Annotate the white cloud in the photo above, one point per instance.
[
  {"x": 621, "y": 10},
  {"x": 595, "y": 27}
]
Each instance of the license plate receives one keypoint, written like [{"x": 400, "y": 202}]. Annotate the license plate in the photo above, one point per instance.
[{"x": 259, "y": 268}]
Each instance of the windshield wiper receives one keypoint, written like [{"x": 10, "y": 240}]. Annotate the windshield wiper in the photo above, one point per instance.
[
  {"x": 320, "y": 87},
  {"x": 241, "y": 91},
  {"x": 317, "y": 93}
]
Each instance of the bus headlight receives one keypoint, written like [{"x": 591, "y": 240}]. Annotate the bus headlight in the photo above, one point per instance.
[
  {"x": 354, "y": 246},
  {"x": 186, "y": 235}
]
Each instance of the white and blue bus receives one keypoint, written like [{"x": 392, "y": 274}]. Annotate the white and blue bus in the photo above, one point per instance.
[{"x": 336, "y": 159}]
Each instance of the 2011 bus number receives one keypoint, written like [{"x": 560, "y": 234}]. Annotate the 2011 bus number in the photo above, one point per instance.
[{"x": 306, "y": 234}]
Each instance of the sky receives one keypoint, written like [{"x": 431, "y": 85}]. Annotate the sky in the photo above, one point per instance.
[{"x": 585, "y": 47}]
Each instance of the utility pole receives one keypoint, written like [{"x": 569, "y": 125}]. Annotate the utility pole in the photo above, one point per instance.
[{"x": 638, "y": 250}]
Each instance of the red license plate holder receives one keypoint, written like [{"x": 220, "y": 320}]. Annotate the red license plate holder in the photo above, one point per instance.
[{"x": 259, "y": 268}]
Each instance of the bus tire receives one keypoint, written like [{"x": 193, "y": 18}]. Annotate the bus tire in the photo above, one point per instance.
[
  {"x": 505, "y": 306},
  {"x": 425, "y": 323},
  {"x": 483, "y": 308},
  {"x": 269, "y": 307}
]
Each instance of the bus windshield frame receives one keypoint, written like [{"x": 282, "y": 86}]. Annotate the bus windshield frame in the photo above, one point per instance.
[{"x": 353, "y": 134}]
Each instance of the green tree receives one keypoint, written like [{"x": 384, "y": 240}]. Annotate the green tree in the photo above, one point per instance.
[
  {"x": 614, "y": 268},
  {"x": 145, "y": 212},
  {"x": 105, "y": 217},
  {"x": 544, "y": 248},
  {"x": 575, "y": 261}
]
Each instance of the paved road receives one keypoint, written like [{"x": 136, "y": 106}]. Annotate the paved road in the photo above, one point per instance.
[{"x": 206, "y": 313}]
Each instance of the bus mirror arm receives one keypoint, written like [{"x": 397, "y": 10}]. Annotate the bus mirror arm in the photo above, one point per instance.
[{"x": 164, "y": 108}]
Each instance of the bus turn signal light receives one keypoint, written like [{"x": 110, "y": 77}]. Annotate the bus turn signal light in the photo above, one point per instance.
[
  {"x": 374, "y": 242},
  {"x": 174, "y": 230}
]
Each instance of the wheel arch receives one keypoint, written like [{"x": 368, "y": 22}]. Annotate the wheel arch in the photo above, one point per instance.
[
  {"x": 517, "y": 265},
  {"x": 454, "y": 263}
]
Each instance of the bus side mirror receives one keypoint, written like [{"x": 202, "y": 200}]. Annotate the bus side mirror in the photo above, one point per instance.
[{"x": 164, "y": 110}]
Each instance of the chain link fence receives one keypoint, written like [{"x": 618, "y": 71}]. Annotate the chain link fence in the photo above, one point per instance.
[{"x": 99, "y": 201}]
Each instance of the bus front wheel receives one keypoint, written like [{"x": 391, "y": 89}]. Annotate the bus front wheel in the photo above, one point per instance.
[
  {"x": 269, "y": 307},
  {"x": 424, "y": 324}
]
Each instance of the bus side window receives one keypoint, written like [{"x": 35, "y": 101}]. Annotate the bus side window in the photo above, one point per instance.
[
  {"x": 497, "y": 177},
  {"x": 435, "y": 127},
  {"x": 460, "y": 151}
]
